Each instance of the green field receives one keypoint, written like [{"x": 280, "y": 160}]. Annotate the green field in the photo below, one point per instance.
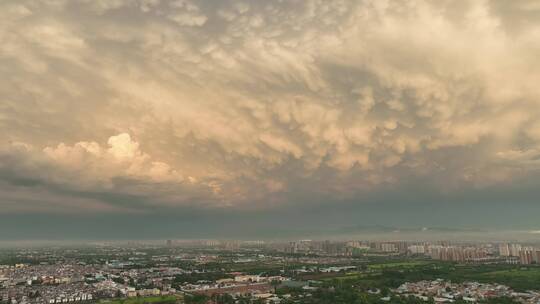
[
  {"x": 405, "y": 264},
  {"x": 143, "y": 300},
  {"x": 393, "y": 274},
  {"x": 520, "y": 278}
]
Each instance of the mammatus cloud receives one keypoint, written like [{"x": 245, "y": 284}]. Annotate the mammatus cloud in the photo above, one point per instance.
[{"x": 128, "y": 105}]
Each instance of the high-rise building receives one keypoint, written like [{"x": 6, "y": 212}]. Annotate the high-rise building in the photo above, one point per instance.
[
  {"x": 417, "y": 249},
  {"x": 526, "y": 256},
  {"x": 504, "y": 250},
  {"x": 388, "y": 247},
  {"x": 456, "y": 253},
  {"x": 515, "y": 249},
  {"x": 536, "y": 256}
]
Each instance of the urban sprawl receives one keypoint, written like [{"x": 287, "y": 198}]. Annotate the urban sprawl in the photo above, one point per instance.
[{"x": 305, "y": 271}]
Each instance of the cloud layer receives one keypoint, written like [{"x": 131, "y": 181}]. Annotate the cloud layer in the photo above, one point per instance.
[{"x": 128, "y": 106}]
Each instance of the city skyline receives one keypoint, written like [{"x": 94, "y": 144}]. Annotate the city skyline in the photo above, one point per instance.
[{"x": 157, "y": 119}]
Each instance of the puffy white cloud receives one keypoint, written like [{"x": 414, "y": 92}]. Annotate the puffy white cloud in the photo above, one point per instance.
[
  {"x": 122, "y": 147},
  {"x": 122, "y": 158}
]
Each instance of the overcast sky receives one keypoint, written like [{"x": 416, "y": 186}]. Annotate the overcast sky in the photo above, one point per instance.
[{"x": 149, "y": 118}]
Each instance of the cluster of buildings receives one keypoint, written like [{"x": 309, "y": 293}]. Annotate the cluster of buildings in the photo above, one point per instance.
[
  {"x": 503, "y": 253},
  {"x": 65, "y": 276},
  {"x": 239, "y": 285},
  {"x": 49, "y": 284},
  {"x": 446, "y": 292},
  {"x": 73, "y": 283},
  {"x": 470, "y": 253},
  {"x": 341, "y": 248},
  {"x": 525, "y": 254},
  {"x": 444, "y": 251},
  {"x": 438, "y": 251},
  {"x": 48, "y": 294},
  {"x": 458, "y": 253},
  {"x": 219, "y": 244},
  {"x": 45, "y": 274},
  {"x": 119, "y": 273},
  {"x": 476, "y": 253}
]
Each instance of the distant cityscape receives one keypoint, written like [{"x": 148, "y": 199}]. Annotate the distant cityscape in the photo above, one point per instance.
[{"x": 267, "y": 272}]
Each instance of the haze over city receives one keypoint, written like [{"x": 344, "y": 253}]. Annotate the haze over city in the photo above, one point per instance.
[{"x": 149, "y": 119}]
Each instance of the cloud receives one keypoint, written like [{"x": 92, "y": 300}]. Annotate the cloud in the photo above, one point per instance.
[
  {"x": 254, "y": 105},
  {"x": 93, "y": 177},
  {"x": 186, "y": 14},
  {"x": 122, "y": 158}
]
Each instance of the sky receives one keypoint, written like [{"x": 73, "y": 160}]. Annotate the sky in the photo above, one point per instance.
[{"x": 132, "y": 119}]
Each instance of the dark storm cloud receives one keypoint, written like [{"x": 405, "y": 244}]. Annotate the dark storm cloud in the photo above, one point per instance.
[{"x": 200, "y": 115}]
